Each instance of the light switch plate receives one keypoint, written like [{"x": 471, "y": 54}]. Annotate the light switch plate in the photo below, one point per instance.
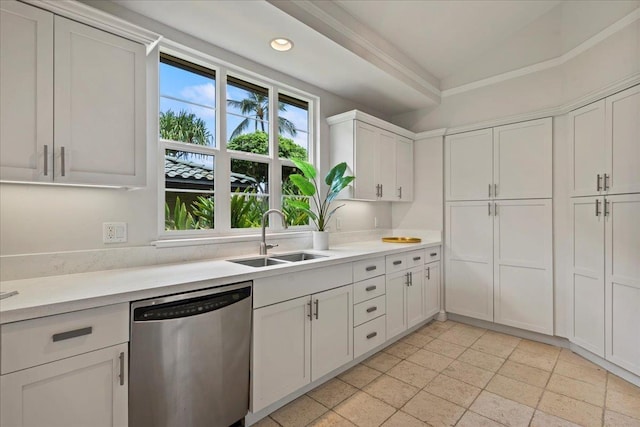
[{"x": 114, "y": 232}]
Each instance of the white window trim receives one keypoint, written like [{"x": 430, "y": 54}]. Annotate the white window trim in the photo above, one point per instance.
[{"x": 222, "y": 231}]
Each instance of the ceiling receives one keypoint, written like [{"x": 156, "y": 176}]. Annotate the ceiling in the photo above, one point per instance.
[{"x": 392, "y": 55}]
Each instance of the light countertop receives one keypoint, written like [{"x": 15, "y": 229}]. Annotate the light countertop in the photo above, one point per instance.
[{"x": 44, "y": 296}]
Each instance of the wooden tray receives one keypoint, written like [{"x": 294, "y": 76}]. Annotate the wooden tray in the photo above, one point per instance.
[{"x": 401, "y": 239}]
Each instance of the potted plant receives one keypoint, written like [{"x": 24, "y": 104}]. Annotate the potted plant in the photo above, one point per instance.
[{"x": 308, "y": 186}]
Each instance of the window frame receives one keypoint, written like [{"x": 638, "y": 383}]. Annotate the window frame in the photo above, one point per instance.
[{"x": 222, "y": 156}]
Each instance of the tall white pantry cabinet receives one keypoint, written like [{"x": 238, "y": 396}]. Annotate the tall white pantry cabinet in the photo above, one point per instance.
[
  {"x": 605, "y": 215},
  {"x": 498, "y": 225}
]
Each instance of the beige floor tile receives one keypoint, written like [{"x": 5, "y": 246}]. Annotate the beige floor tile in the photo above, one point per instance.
[
  {"x": 524, "y": 373},
  {"x": 626, "y": 404},
  {"x": 359, "y": 376},
  {"x": 401, "y": 349},
  {"x": 518, "y": 391},
  {"x": 569, "y": 356},
  {"x": 433, "y": 410},
  {"x": 445, "y": 348},
  {"x": 331, "y": 419},
  {"x": 616, "y": 383},
  {"x": 538, "y": 348},
  {"x": 364, "y": 410},
  {"x": 461, "y": 336},
  {"x": 391, "y": 390},
  {"x": 495, "y": 345},
  {"x": 453, "y": 390},
  {"x": 402, "y": 419},
  {"x": 596, "y": 376},
  {"x": 382, "y": 361},
  {"x": 614, "y": 419},
  {"x": 469, "y": 374},
  {"x": 429, "y": 359},
  {"x": 266, "y": 422},
  {"x": 299, "y": 413},
  {"x": 540, "y": 361},
  {"x": 577, "y": 389},
  {"x": 542, "y": 419},
  {"x": 501, "y": 410},
  {"x": 570, "y": 409},
  {"x": 332, "y": 392},
  {"x": 503, "y": 338},
  {"x": 447, "y": 324},
  {"x": 417, "y": 339},
  {"x": 413, "y": 374},
  {"x": 471, "y": 419},
  {"x": 470, "y": 329},
  {"x": 481, "y": 360}
]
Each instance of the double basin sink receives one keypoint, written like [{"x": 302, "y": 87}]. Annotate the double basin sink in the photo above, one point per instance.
[{"x": 278, "y": 259}]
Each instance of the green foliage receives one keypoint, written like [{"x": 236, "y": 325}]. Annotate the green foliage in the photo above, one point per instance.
[
  {"x": 308, "y": 186},
  {"x": 258, "y": 142},
  {"x": 294, "y": 215},
  {"x": 204, "y": 209},
  {"x": 247, "y": 210},
  {"x": 257, "y": 107},
  {"x": 184, "y": 127},
  {"x": 179, "y": 218}
]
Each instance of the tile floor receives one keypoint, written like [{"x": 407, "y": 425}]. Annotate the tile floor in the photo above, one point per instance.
[{"x": 448, "y": 373}]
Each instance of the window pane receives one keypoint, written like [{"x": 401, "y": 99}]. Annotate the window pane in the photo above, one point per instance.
[
  {"x": 247, "y": 117},
  {"x": 189, "y": 199},
  {"x": 249, "y": 193},
  {"x": 187, "y": 104},
  {"x": 247, "y": 209},
  {"x": 291, "y": 193},
  {"x": 293, "y": 128}
]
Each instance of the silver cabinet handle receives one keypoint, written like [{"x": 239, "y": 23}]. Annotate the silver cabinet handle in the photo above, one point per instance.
[
  {"x": 371, "y": 309},
  {"x": 397, "y": 262},
  {"x": 370, "y": 288},
  {"x": 317, "y": 308},
  {"x": 606, "y": 182},
  {"x": 371, "y": 268},
  {"x": 381, "y": 188},
  {"x": 428, "y": 273},
  {"x": 62, "y": 168},
  {"x": 495, "y": 190},
  {"x": 121, "y": 357},
  {"x": 597, "y": 207},
  {"x": 400, "y": 192},
  {"x": 495, "y": 209},
  {"x": 72, "y": 334},
  {"x": 606, "y": 207},
  {"x": 416, "y": 258},
  {"x": 489, "y": 189},
  {"x": 372, "y": 335},
  {"x": 598, "y": 183},
  {"x": 433, "y": 254},
  {"x": 310, "y": 310},
  {"x": 410, "y": 279},
  {"x": 406, "y": 276},
  {"x": 489, "y": 207},
  {"x": 46, "y": 160}
]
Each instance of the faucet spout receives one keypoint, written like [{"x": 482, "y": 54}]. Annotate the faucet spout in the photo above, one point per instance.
[{"x": 263, "y": 243}]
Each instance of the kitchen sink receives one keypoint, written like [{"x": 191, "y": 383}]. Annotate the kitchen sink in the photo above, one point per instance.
[
  {"x": 258, "y": 262},
  {"x": 298, "y": 256}
]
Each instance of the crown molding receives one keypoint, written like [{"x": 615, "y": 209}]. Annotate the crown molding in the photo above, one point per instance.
[
  {"x": 430, "y": 134},
  {"x": 372, "y": 120}
]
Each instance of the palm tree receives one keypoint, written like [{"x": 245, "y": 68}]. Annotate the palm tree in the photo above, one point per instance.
[
  {"x": 256, "y": 106},
  {"x": 184, "y": 127}
]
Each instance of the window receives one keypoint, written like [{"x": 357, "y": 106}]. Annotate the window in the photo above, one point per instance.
[{"x": 258, "y": 179}]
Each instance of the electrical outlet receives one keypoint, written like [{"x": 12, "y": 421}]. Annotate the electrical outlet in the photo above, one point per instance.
[{"x": 114, "y": 232}]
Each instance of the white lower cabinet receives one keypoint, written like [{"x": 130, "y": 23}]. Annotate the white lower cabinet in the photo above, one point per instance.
[
  {"x": 298, "y": 341},
  {"x": 431, "y": 304},
  {"x": 85, "y": 390},
  {"x": 405, "y": 292}
]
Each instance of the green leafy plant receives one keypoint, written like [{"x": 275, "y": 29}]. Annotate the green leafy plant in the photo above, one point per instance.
[
  {"x": 204, "y": 209},
  {"x": 247, "y": 210},
  {"x": 180, "y": 218},
  {"x": 308, "y": 186}
]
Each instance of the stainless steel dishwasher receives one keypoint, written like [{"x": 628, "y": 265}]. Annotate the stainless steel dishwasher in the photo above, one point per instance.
[{"x": 189, "y": 358}]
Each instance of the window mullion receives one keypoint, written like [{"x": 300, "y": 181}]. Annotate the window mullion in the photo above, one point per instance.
[
  {"x": 275, "y": 196},
  {"x": 223, "y": 161}
]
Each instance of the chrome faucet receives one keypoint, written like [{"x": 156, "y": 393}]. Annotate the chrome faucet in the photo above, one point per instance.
[{"x": 263, "y": 244}]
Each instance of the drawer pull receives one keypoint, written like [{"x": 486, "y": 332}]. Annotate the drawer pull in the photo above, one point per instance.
[
  {"x": 397, "y": 262},
  {"x": 371, "y": 288},
  {"x": 121, "y": 357},
  {"x": 371, "y": 309},
  {"x": 433, "y": 254},
  {"x": 72, "y": 334},
  {"x": 372, "y": 335},
  {"x": 417, "y": 258},
  {"x": 371, "y": 268}
]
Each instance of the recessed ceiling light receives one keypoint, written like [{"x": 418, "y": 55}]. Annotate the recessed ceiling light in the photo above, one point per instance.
[{"x": 281, "y": 44}]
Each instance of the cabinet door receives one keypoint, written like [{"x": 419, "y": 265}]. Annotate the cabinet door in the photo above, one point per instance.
[
  {"x": 331, "y": 330},
  {"x": 431, "y": 289},
  {"x": 415, "y": 297},
  {"x": 404, "y": 169},
  {"x": 469, "y": 165},
  {"x": 588, "y": 149},
  {"x": 100, "y": 121},
  {"x": 522, "y": 167},
  {"x": 26, "y": 84},
  {"x": 523, "y": 264},
  {"x": 386, "y": 165},
  {"x": 622, "y": 281},
  {"x": 396, "y": 318},
  {"x": 84, "y": 390},
  {"x": 623, "y": 142},
  {"x": 281, "y": 350},
  {"x": 365, "y": 159},
  {"x": 469, "y": 259},
  {"x": 587, "y": 273}
]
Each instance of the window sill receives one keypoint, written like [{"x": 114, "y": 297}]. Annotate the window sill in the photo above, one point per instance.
[{"x": 195, "y": 241}]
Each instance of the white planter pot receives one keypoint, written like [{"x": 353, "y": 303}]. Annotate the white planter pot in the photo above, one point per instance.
[{"x": 320, "y": 240}]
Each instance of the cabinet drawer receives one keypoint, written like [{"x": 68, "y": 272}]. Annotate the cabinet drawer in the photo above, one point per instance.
[
  {"x": 432, "y": 254},
  {"x": 368, "y": 310},
  {"x": 415, "y": 258},
  {"x": 368, "y": 268},
  {"x": 37, "y": 341},
  {"x": 396, "y": 263},
  {"x": 369, "y": 336},
  {"x": 368, "y": 289}
]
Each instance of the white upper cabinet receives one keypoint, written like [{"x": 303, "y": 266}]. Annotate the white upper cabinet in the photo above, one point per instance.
[
  {"x": 26, "y": 84},
  {"x": 385, "y": 165},
  {"x": 78, "y": 114},
  {"x": 506, "y": 162},
  {"x": 404, "y": 172},
  {"x": 363, "y": 160},
  {"x": 605, "y": 157}
]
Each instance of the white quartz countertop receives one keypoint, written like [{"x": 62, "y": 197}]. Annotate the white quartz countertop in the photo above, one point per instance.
[{"x": 44, "y": 296}]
